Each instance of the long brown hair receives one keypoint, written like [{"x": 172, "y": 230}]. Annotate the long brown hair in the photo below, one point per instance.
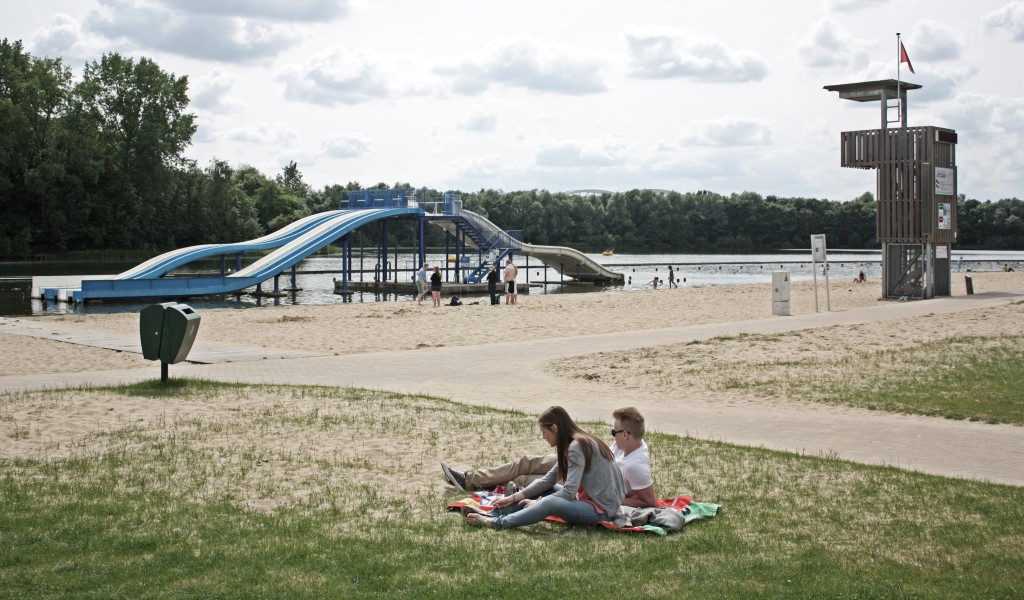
[{"x": 568, "y": 431}]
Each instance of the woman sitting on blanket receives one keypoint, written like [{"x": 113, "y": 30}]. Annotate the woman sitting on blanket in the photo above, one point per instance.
[{"x": 591, "y": 490}]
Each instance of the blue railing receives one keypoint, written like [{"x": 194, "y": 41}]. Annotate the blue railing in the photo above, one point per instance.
[{"x": 392, "y": 198}]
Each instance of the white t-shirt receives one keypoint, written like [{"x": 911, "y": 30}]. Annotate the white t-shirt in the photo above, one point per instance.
[{"x": 636, "y": 467}]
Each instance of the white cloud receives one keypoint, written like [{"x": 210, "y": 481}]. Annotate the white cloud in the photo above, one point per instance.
[
  {"x": 213, "y": 93},
  {"x": 221, "y": 38},
  {"x": 286, "y": 10},
  {"x": 672, "y": 55},
  {"x": 590, "y": 152},
  {"x": 340, "y": 76},
  {"x": 528, "y": 63},
  {"x": 850, "y": 6},
  {"x": 933, "y": 41},
  {"x": 727, "y": 131},
  {"x": 264, "y": 134},
  {"x": 64, "y": 38},
  {"x": 1009, "y": 17},
  {"x": 479, "y": 122},
  {"x": 347, "y": 146},
  {"x": 480, "y": 168},
  {"x": 828, "y": 45}
]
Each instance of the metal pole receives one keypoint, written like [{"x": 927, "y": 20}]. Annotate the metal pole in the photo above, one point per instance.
[
  {"x": 828, "y": 291},
  {"x": 423, "y": 247},
  {"x": 899, "y": 96},
  {"x": 814, "y": 271},
  {"x": 384, "y": 251}
]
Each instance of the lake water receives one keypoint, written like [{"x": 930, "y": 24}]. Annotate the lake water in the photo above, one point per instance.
[{"x": 317, "y": 282}]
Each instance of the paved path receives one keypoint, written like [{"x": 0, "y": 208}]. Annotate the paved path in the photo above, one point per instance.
[{"x": 511, "y": 375}]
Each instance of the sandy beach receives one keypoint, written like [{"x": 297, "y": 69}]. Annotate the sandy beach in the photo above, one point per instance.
[
  {"x": 566, "y": 332},
  {"x": 355, "y": 328}
]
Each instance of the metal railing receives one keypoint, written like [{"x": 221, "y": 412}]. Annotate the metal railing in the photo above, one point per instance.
[{"x": 365, "y": 199}]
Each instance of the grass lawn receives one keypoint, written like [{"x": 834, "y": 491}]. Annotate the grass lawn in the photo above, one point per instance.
[{"x": 225, "y": 491}]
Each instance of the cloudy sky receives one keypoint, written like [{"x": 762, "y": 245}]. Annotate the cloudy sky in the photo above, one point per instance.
[{"x": 467, "y": 94}]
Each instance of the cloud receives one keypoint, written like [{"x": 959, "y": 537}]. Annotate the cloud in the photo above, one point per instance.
[
  {"x": 1009, "y": 17},
  {"x": 850, "y": 6},
  {"x": 828, "y": 45},
  {"x": 528, "y": 63},
  {"x": 982, "y": 116},
  {"x": 213, "y": 93},
  {"x": 989, "y": 144},
  {"x": 933, "y": 41},
  {"x": 284, "y": 10},
  {"x": 480, "y": 168},
  {"x": 63, "y": 39},
  {"x": 591, "y": 152},
  {"x": 727, "y": 132},
  {"x": 349, "y": 146},
  {"x": 342, "y": 76},
  {"x": 202, "y": 36},
  {"x": 665, "y": 56},
  {"x": 479, "y": 122},
  {"x": 263, "y": 134}
]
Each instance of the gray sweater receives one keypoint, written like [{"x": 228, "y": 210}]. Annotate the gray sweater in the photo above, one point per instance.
[{"x": 603, "y": 481}]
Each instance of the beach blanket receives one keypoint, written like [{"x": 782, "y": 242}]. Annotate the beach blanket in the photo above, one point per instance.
[{"x": 685, "y": 511}]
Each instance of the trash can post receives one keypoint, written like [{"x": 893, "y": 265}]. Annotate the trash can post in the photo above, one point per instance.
[{"x": 167, "y": 332}]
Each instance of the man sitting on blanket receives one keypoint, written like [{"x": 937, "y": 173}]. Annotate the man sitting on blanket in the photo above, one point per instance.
[{"x": 628, "y": 447}]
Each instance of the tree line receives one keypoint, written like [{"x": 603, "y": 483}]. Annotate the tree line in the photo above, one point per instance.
[{"x": 98, "y": 164}]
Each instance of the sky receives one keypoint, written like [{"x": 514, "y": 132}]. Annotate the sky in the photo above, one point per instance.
[{"x": 724, "y": 96}]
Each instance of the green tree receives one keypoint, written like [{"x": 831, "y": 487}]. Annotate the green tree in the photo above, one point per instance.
[
  {"x": 140, "y": 114},
  {"x": 33, "y": 97}
]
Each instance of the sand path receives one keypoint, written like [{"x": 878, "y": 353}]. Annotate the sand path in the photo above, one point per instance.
[{"x": 512, "y": 374}]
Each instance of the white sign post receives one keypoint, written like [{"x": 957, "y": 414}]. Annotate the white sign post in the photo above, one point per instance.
[{"x": 819, "y": 254}]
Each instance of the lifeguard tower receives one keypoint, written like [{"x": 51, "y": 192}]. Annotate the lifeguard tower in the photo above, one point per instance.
[{"x": 915, "y": 193}]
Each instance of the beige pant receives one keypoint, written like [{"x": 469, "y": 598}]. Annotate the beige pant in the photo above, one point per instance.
[{"x": 522, "y": 472}]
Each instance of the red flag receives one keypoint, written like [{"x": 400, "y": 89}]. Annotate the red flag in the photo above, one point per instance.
[{"x": 905, "y": 59}]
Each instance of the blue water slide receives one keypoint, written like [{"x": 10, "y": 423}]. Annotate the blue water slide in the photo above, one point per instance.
[
  {"x": 322, "y": 235},
  {"x": 288, "y": 255},
  {"x": 160, "y": 265}
]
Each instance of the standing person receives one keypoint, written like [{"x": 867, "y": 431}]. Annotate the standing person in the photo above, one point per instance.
[
  {"x": 435, "y": 286},
  {"x": 492, "y": 285},
  {"x": 421, "y": 283},
  {"x": 591, "y": 490},
  {"x": 671, "y": 278},
  {"x": 509, "y": 278},
  {"x": 628, "y": 447}
]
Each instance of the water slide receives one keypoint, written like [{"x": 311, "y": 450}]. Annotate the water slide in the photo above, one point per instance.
[
  {"x": 572, "y": 263},
  {"x": 160, "y": 265},
  {"x": 567, "y": 261},
  {"x": 301, "y": 239}
]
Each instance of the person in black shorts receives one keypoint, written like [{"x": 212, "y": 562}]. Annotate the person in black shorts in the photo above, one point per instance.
[{"x": 509, "y": 278}]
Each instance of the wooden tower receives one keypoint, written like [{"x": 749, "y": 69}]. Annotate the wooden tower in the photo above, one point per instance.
[{"x": 915, "y": 193}]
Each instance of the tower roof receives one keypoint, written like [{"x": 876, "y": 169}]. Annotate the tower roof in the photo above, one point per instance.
[{"x": 871, "y": 91}]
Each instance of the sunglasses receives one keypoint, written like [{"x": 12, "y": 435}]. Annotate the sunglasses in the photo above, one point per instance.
[{"x": 616, "y": 432}]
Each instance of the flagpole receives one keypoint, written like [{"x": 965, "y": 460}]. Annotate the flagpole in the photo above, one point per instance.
[{"x": 899, "y": 61}]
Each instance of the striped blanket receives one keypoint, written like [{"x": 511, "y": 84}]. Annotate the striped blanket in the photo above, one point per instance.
[{"x": 687, "y": 508}]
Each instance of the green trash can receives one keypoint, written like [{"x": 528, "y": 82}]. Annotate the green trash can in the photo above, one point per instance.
[
  {"x": 181, "y": 324},
  {"x": 151, "y": 327}
]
